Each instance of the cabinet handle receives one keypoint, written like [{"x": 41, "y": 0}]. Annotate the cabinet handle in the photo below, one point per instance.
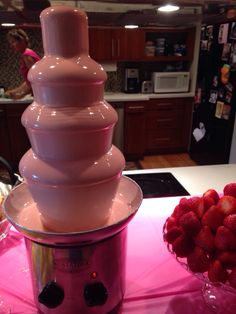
[
  {"x": 112, "y": 48},
  {"x": 118, "y": 47},
  {"x": 136, "y": 107},
  {"x": 164, "y": 120}
]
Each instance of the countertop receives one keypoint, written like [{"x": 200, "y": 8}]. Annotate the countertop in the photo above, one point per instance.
[
  {"x": 112, "y": 97},
  {"x": 198, "y": 179}
]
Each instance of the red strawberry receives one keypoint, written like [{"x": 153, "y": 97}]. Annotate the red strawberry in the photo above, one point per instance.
[
  {"x": 213, "y": 218},
  {"x": 230, "y": 189},
  {"x": 183, "y": 245},
  {"x": 227, "y": 258},
  {"x": 197, "y": 205},
  {"x": 171, "y": 222},
  {"x": 232, "y": 278},
  {"x": 225, "y": 239},
  {"x": 230, "y": 222},
  {"x": 217, "y": 273},
  {"x": 227, "y": 205},
  {"x": 172, "y": 234},
  {"x": 190, "y": 223},
  {"x": 198, "y": 261},
  {"x": 213, "y": 194},
  {"x": 181, "y": 208},
  {"x": 205, "y": 239},
  {"x": 208, "y": 201}
]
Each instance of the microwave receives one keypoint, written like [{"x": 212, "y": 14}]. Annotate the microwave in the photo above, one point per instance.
[{"x": 170, "y": 82}]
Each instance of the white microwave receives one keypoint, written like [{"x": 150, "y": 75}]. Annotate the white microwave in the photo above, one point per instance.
[{"x": 170, "y": 82}]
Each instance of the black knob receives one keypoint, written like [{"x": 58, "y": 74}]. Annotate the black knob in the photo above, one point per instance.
[
  {"x": 52, "y": 295},
  {"x": 95, "y": 294}
]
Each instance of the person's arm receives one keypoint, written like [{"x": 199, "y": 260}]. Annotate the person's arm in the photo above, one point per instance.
[
  {"x": 25, "y": 88},
  {"x": 19, "y": 92}
]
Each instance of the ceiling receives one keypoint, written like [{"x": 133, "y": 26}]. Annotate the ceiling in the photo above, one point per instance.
[{"x": 114, "y": 13}]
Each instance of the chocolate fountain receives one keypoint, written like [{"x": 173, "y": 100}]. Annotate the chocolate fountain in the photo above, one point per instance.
[{"x": 74, "y": 204}]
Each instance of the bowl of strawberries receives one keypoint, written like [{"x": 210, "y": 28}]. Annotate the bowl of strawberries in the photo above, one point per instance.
[{"x": 201, "y": 235}]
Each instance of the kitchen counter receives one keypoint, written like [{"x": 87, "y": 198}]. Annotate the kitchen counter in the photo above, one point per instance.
[
  {"x": 112, "y": 97},
  {"x": 197, "y": 179},
  {"x": 155, "y": 282}
]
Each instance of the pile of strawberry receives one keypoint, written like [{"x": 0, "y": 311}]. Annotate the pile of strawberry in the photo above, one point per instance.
[{"x": 203, "y": 230}]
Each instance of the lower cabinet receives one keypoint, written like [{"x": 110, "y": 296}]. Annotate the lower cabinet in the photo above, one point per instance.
[
  {"x": 157, "y": 126},
  {"x": 134, "y": 130},
  {"x": 16, "y": 141}
]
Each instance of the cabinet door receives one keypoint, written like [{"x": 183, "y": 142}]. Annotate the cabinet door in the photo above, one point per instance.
[
  {"x": 18, "y": 138},
  {"x": 100, "y": 44},
  {"x": 134, "y": 45},
  {"x": 134, "y": 130},
  {"x": 4, "y": 139},
  {"x": 168, "y": 122},
  {"x": 107, "y": 44}
]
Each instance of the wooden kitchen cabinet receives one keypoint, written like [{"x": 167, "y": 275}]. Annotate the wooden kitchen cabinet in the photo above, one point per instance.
[
  {"x": 16, "y": 141},
  {"x": 172, "y": 37},
  {"x": 134, "y": 130},
  {"x": 157, "y": 126},
  {"x": 106, "y": 44},
  {"x": 168, "y": 124}
]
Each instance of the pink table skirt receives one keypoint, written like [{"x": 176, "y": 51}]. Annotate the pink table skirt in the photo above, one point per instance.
[{"x": 155, "y": 282}]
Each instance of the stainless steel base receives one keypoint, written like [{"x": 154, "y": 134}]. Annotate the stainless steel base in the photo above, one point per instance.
[{"x": 78, "y": 279}]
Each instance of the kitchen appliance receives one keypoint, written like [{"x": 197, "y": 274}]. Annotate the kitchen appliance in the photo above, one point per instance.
[
  {"x": 214, "y": 108},
  {"x": 160, "y": 184},
  {"x": 74, "y": 204},
  {"x": 170, "y": 82},
  {"x": 132, "y": 80},
  {"x": 147, "y": 87}
]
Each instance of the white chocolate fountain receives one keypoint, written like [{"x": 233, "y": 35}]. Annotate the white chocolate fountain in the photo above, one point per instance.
[
  {"x": 74, "y": 205},
  {"x": 73, "y": 170}
]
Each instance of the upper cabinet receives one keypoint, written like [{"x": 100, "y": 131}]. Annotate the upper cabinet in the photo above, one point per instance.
[
  {"x": 142, "y": 44},
  {"x": 106, "y": 44},
  {"x": 169, "y": 44}
]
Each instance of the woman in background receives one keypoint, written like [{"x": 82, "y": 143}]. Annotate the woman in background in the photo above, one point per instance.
[{"x": 19, "y": 41}]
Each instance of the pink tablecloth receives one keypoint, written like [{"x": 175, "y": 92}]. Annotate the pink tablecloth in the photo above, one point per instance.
[{"x": 156, "y": 283}]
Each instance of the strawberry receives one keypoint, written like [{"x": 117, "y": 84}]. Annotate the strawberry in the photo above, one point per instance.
[
  {"x": 232, "y": 278},
  {"x": 172, "y": 234},
  {"x": 213, "y": 194},
  {"x": 181, "y": 208},
  {"x": 190, "y": 223},
  {"x": 171, "y": 222},
  {"x": 227, "y": 258},
  {"x": 198, "y": 261},
  {"x": 208, "y": 201},
  {"x": 227, "y": 205},
  {"x": 183, "y": 245},
  {"x": 205, "y": 239},
  {"x": 230, "y": 222},
  {"x": 196, "y": 204},
  {"x": 216, "y": 272},
  {"x": 225, "y": 239},
  {"x": 213, "y": 218},
  {"x": 230, "y": 189}
]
